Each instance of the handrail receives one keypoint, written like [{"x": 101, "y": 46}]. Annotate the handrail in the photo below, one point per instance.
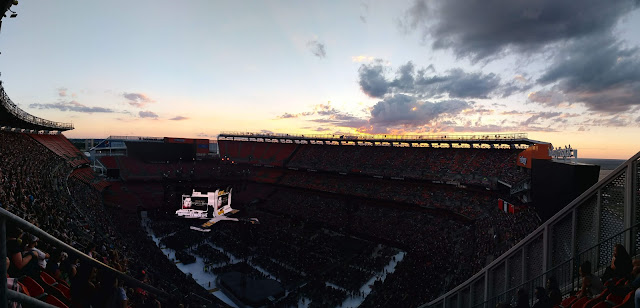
[
  {"x": 26, "y": 226},
  {"x": 10, "y": 106},
  {"x": 387, "y": 137},
  {"x": 578, "y": 256},
  {"x": 28, "y": 300},
  {"x": 584, "y": 197}
]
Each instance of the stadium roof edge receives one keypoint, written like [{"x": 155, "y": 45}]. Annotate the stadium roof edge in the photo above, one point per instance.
[{"x": 388, "y": 138}]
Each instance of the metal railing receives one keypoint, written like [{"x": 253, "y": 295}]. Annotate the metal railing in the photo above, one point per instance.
[
  {"x": 606, "y": 214},
  {"x": 388, "y": 137},
  {"x": 5, "y": 294},
  {"x": 12, "y": 108}
]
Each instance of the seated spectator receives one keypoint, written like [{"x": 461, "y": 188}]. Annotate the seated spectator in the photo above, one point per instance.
[
  {"x": 69, "y": 267},
  {"x": 591, "y": 284},
  {"x": 21, "y": 264},
  {"x": 621, "y": 264},
  {"x": 31, "y": 246},
  {"x": 53, "y": 266},
  {"x": 553, "y": 291}
]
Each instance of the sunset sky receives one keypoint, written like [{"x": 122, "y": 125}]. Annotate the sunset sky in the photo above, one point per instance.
[{"x": 563, "y": 71}]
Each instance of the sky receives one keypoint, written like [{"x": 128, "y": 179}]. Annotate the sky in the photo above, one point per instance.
[{"x": 562, "y": 71}]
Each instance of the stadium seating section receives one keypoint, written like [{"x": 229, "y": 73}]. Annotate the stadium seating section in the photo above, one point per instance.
[
  {"x": 42, "y": 180},
  {"x": 482, "y": 167}
]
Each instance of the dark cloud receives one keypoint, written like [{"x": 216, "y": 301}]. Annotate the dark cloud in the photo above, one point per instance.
[
  {"x": 514, "y": 87},
  {"x": 317, "y": 49},
  {"x": 72, "y": 106},
  {"x": 613, "y": 121},
  {"x": 638, "y": 120},
  {"x": 147, "y": 114},
  {"x": 550, "y": 98},
  {"x": 540, "y": 116},
  {"x": 488, "y": 29},
  {"x": 481, "y": 111},
  {"x": 598, "y": 72},
  {"x": 372, "y": 80},
  {"x": 406, "y": 110},
  {"x": 137, "y": 99},
  {"x": 327, "y": 114},
  {"x": 455, "y": 83},
  {"x": 179, "y": 118},
  {"x": 493, "y": 128}
]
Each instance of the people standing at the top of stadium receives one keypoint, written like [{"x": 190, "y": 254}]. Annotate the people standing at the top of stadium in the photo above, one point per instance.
[
  {"x": 591, "y": 284},
  {"x": 621, "y": 264}
]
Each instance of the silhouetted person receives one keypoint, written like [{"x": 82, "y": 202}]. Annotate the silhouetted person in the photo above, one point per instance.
[
  {"x": 591, "y": 284},
  {"x": 543, "y": 300},
  {"x": 553, "y": 291},
  {"x": 523, "y": 299},
  {"x": 621, "y": 264}
]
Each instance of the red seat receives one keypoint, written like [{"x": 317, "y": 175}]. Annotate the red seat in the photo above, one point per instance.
[
  {"x": 597, "y": 299},
  {"x": 601, "y": 305},
  {"x": 617, "y": 300},
  {"x": 48, "y": 279},
  {"x": 23, "y": 289},
  {"x": 628, "y": 301},
  {"x": 55, "y": 301},
  {"x": 568, "y": 301},
  {"x": 61, "y": 281},
  {"x": 34, "y": 288},
  {"x": 592, "y": 302},
  {"x": 64, "y": 290},
  {"x": 580, "y": 303}
]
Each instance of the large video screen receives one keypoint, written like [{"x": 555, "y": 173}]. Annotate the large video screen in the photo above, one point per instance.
[{"x": 199, "y": 203}]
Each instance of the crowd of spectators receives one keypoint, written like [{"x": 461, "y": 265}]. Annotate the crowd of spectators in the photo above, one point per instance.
[
  {"x": 463, "y": 165},
  {"x": 35, "y": 184},
  {"x": 298, "y": 239},
  {"x": 298, "y": 207}
]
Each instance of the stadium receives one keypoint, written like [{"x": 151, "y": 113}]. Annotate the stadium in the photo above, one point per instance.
[{"x": 345, "y": 220}]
